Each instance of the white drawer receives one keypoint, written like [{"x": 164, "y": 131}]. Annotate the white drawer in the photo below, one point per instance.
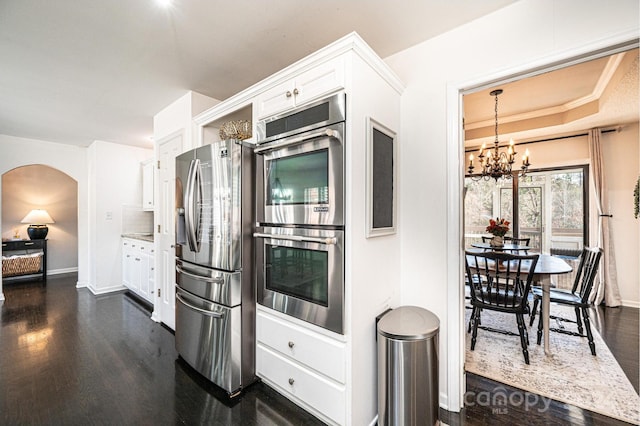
[
  {"x": 145, "y": 247},
  {"x": 314, "y": 350},
  {"x": 301, "y": 384}
]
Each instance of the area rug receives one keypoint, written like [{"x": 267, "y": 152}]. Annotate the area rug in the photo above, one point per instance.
[{"x": 570, "y": 374}]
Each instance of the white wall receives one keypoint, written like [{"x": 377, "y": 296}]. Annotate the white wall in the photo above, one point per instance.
[
  {"x": 177, "y": 116},
  {"x": 72, "y": 160},
  {"x": 115, "y": 176},
  {"x": 519, "y": 37}
]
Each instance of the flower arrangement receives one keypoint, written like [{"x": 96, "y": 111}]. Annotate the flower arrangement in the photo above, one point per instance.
[{"x": 498, "y": 227}]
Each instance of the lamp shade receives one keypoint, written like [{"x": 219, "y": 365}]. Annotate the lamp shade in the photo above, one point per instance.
[
  {"x": 38, "y": 217},
  {"x": 37, "y": 220}
]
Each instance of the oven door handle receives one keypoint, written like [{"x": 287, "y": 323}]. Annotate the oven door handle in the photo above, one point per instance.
[
  {"x": 321, "y": 240},
  {"x": 200, "y": 277},
  {"x": 296, "y": 140},
  {"x": 200, "y": 310}
]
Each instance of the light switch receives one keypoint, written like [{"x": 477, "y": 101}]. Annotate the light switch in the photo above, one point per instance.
[{"x": 109, "y": 216}]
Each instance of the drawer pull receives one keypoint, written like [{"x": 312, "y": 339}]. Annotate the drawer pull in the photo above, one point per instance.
[
  {"x": 291, "y": 345},
  {"x": 291, "y": 381}
]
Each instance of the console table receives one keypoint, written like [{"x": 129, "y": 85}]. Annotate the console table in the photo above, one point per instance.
[{"x": 27, "y": 247}]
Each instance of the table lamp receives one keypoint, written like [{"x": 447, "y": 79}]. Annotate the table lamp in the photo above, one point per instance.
[{"x": 37, "y": 220}]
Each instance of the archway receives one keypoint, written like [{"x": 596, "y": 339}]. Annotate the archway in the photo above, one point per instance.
[{"x": 32, "y": 186}]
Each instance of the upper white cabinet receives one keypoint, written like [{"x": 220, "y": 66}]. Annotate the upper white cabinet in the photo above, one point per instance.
[
  {"x": 321, "y": 80},
  {"x": 147, "y": 185}
]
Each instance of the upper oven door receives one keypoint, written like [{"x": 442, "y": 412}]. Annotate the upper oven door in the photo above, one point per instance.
[{"x": 301, "y": 179}]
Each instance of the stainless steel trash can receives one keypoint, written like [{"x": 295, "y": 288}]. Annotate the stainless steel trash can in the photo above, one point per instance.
[{"x": 408, "y": 367}]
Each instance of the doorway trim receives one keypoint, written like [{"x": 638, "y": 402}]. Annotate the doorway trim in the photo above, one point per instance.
[{"x": 455, "y": 179}]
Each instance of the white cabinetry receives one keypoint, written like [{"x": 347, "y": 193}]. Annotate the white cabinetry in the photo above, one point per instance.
[
  {"x": 332, "y": 376},
  {"x": 138, "y": 267},
  {"x": 147, "y": 185},
  {"x": 321, "y": 80},
  {"x": 307, "y": 367}
]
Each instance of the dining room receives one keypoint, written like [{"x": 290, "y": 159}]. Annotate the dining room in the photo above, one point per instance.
[{"x": 551, "y": 165}]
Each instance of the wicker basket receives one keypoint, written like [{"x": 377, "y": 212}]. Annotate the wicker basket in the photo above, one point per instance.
[
  {"x": 21, "y": 264},
  {"x": 238, "y": 129}
]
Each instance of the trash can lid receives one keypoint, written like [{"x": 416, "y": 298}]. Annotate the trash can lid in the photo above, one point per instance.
[{"x": 409, "y": 323}]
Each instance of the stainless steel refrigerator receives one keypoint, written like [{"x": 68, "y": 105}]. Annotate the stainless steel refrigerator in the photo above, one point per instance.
[{"x": 215, "y": 294}]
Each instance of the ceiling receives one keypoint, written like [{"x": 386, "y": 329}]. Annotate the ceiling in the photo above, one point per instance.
[
  {"x": 74, "y": 72},
  {"x": 599, "y": 93}
]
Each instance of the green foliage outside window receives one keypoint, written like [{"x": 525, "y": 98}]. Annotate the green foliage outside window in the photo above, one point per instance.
[{"x": 636, "y": 195}]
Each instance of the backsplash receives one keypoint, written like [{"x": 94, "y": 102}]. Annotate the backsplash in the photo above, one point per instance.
[{"x": 136, "y": 221}]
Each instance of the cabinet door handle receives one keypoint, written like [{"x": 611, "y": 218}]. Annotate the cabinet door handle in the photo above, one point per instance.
[
  {"x": 296, "y": 91},
  {"x": 291, "y": 345},
  {"x": 288, "y": 94},
  {"x": 291, "y": 381}
]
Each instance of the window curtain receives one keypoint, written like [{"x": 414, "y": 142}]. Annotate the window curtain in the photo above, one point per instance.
[{"x": 606, "y": 285}]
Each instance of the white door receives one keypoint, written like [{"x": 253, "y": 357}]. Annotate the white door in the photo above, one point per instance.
[{"x": 165, "y": 250}]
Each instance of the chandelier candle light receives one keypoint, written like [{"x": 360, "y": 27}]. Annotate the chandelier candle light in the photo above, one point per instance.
[{"x": 494, "y": 163}]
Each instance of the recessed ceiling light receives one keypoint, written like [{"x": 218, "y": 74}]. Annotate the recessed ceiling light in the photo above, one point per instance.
[{"x": 164, "y": 3}]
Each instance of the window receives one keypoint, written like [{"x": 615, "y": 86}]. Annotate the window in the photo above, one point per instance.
[{"x": 551, "y": 207}]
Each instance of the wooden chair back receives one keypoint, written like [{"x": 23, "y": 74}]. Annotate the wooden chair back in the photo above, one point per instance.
[
  {"x": 500, "y": 280},
  {"x": 586, "y": 272}
]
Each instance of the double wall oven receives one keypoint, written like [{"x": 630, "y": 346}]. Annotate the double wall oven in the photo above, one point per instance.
[{"x": 300, "y": 214}]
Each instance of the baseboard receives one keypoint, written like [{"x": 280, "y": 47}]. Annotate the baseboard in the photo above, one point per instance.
[
  {"x": 631, "y": 304},
  {"x": 105, "y": 290},
  {"x": 62, "y": 271}
]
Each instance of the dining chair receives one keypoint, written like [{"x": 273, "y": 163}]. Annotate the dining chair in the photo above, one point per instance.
[
  {"x": 519, "y": 241},
  {"x": 500, "y": 281},
  {"x": 578, "y": 297}
]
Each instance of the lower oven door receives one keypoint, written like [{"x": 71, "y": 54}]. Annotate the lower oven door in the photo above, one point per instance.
[
  {"x": 300, "y": 272},
  {"x": 208, "y": 339}
]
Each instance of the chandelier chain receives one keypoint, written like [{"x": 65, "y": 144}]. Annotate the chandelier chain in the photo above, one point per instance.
[{"x": 493, "y": 163}]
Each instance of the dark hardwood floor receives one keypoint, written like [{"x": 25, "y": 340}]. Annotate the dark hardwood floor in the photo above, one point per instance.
[{"x": 69, "y": 357}]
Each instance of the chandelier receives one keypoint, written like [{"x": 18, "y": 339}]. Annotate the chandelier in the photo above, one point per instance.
[{"x": 495, "y": 163}]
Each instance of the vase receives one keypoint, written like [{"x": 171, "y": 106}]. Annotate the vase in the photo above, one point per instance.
[{"x": 496, "y": 241}]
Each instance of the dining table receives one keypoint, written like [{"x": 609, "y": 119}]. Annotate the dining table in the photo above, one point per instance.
[
  {"x": 546, "y": 266},
  {"x": 505, "y": 247}
]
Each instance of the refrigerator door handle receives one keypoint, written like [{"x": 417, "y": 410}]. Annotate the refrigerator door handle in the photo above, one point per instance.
[
  {"x": 195, "y": 308},
  {"x": 200, "y": 277},
  {"x": 193, "y": 183}
]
